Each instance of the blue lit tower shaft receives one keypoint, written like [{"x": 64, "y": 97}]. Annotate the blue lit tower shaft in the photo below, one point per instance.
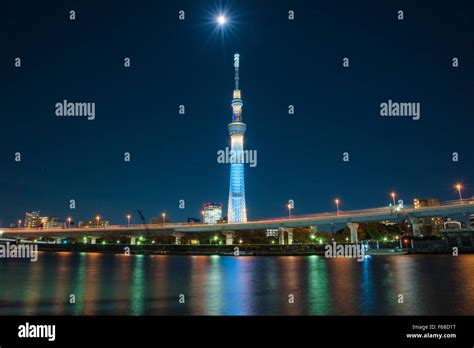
[{"x": 237, "y": 211}]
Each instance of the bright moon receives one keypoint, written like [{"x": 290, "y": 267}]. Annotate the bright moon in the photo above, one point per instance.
[{"x": 221, "y": 20}]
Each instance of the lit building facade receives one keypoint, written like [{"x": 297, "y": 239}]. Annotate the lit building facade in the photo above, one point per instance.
[
  {"x": 47, "y": 221},
  {"x": 426, "y": 202},
  {"x": 272, "y": 232},
  {"x": 436, "y": 222},
  {"x": 212, "y": 213},
  {"x": 237, "y": 210},
  {"x": 33, "y": 219}
]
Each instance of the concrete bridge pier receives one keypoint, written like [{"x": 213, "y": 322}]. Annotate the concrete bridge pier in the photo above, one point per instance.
[
  {"x": 281, "y": 236},
  {"x": 93, "y": 240},
  {"x": 133, "y": 240},
  {"x": 177, "y": 237},
  {"x": 229, "y": 237},
  {"x": 57, "y": 240},
  {"x": 415, "y": 227},
  {"x": 353, "y": 226},
  {"x": 290, "y": 236}
]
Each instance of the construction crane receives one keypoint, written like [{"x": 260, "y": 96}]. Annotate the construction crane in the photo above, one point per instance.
[{"x": 142, "y": 217}]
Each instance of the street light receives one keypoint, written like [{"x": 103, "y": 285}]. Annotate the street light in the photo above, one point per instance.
[
  {"x": 19, "y": 223},
  {"x": 393, "y": 194},
  {"x": 98, "y": 220},
  {"x": 289, "y": 211},
  {"x": 163, "y": 215},
  {"x": 459, "y": 187},
  {"x": 69, "y": 222},
  {"x": 128, "y": 219},
  {"x": 337, "y": 205}
]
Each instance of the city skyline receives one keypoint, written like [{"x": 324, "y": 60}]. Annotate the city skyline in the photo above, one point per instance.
[
  {"x": 336, "y": 110},
  {"x": 398, "y": 204}
]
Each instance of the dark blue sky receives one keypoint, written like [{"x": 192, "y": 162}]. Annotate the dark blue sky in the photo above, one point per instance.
[{"x": 283, "y": 62}]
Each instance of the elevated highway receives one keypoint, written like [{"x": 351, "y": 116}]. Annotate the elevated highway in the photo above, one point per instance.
[{"x": 351, "y": 218}]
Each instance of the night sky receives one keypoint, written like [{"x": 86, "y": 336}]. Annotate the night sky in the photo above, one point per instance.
[{"x": 190, "y": 62}]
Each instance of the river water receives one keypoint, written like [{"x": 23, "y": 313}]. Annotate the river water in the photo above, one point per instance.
[{"x": 224, "y": 285}]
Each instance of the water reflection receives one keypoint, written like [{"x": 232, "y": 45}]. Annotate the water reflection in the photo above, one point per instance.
[
  {"x": 318, "y": 293},
  {"x": 212, "y": 287},
  {"x": 78, "y": 282},
  {"x": 220, "y": 285}
]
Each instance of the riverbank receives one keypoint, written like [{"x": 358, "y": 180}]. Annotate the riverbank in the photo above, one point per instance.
[{"x": 231, "y": 250}]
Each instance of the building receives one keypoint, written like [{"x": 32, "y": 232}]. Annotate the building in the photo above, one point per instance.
[
  {"x": 435, "y": 223},
  {"x": 212, "y": 213},
  {"x": 272, "y": 232},
  {"x": 93, "y": 223},
  {"x": 55, "y": 222},
  {"x": 33, "y": 219},
  {"x": 237, "y": 211},
  {"x": 44, "y": 221},
  {"x": 48, "y": 221},
  {"x": 426, "y": 202}
]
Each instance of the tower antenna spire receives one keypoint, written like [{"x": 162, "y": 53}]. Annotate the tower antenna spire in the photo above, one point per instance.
[{"x": 236, "y": 66}]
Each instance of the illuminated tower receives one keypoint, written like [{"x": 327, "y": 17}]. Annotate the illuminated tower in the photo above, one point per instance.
[{"x": 237, "y": 211}]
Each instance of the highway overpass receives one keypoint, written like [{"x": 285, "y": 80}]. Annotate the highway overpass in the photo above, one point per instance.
[{"x": 351, "y": 218}]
